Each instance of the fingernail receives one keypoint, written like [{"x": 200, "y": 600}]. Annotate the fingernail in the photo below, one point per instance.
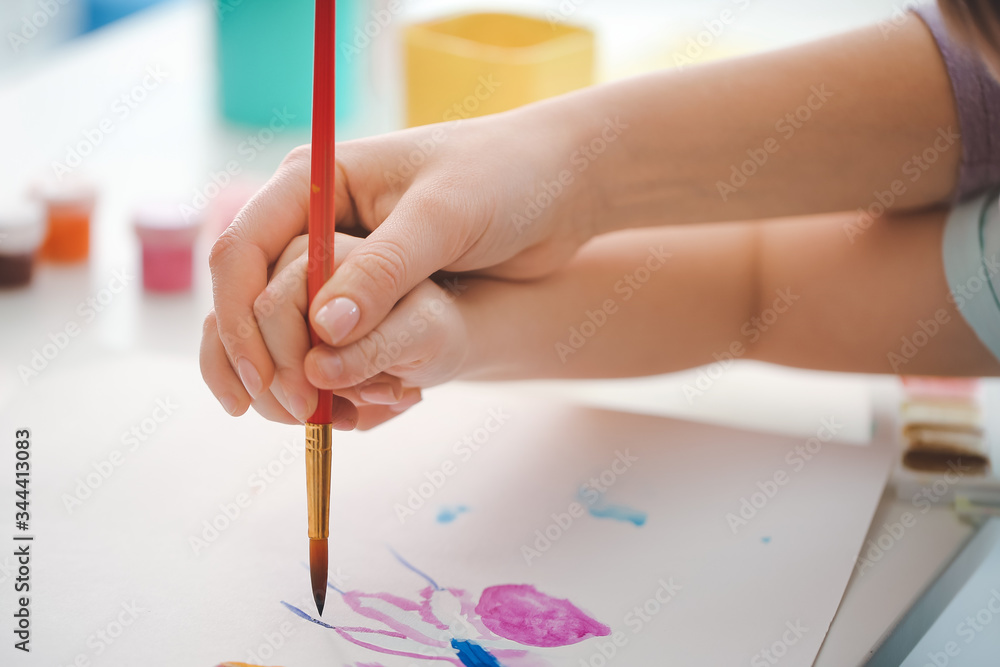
[
  {"x": 405, "y": 404},
  {"x": 381, "y": 393},
  {"x": 297, "y": 406},
  {"x": 330, "y": 366},
  {"x": 345, "y": 424},
  {"x": 249, "y": 376},
  {"x": 229, "y": 403},
  {"x": 338, "y": 318}
]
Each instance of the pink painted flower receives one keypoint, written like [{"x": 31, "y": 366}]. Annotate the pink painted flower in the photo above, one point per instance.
[
  {"x": 526, "y": 615},
  {"x": 446, "y": 625}
]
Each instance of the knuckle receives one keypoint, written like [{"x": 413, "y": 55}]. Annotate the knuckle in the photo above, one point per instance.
[
  {"x": 427, "y": 292},
  {"x": 383, "y": 267},
  {"x": 264, "y": 306},
  {"x": 210, "y": 326},
  {"x": 371, "y": 350},
  {"x": 298, "y": 157},
  {"x": 276, "y": 295},
  {"x": 433, "y": 202},
  {"x": 429, "y": 361},
  {"x": 460, "y": 220},
  {"x": 224, "y": 248}
]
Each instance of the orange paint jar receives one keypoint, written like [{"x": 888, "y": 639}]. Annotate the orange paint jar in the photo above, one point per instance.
[{"x": 69, "y": 213}]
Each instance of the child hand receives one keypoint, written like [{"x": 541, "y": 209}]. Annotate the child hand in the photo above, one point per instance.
[
  {"x": 375, "y": 378},
  {"x": 458, "y": 196}
]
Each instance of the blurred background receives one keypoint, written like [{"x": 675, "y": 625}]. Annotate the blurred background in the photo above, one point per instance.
[{"x": 134, "y": 130}]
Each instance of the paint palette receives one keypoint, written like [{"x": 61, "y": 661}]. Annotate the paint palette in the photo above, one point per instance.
[{"x": 480, "y": 528}]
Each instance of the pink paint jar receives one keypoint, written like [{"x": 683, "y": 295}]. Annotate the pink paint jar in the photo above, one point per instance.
[
  {"x": 22, "y": 230},
  {"x": 167, "y": 238}
]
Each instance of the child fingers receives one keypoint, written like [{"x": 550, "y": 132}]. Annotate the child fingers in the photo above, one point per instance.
[
  {"x": 382, "y": 389},
  {"x": 295, "y": 248},
  {"x": 218, "y": 373},
  {"x": 269, "y": 407},
  {"x": 371, "y": 416},
  {"x": 291, "y": 285},
  {"x": 279, "y": 312},
  {"x": 412, "y": 343},
  {"x": 239, "y": 263},
  {"x": 345, "y": 414}
]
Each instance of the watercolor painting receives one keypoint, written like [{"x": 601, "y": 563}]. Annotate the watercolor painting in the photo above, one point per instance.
[
  {"x": 449, "y": 625},
  {"x": 449, "y": 513},
  {"x": 599, "y": 508}
]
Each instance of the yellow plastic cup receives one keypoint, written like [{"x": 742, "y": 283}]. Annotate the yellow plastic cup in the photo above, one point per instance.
[{"x": 478, "y": 64}]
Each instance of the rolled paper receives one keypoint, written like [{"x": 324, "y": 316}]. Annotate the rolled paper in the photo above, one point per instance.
[{"x": 942, "y": 424}]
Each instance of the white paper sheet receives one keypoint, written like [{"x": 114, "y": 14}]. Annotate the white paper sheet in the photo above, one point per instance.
[
  {"x": 122, "y": 575},
  {"x": 740, "y": 394}
]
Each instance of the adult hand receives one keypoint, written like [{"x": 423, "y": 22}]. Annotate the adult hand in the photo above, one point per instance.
[{"x": 476, "y": 195}]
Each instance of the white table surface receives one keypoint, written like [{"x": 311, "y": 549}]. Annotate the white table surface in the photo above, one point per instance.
[{"x": 172, "y": 141}]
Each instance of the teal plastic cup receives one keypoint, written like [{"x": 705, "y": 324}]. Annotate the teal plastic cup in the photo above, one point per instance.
[{"x": 265, "y": 53}]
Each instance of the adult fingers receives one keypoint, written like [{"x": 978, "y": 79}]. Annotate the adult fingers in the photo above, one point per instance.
[
  {"x": 223, "y": 382},
  {"x": 218, "y": 373},
  {"x": 239, "y": 262},
  {"x": 241, "y": 256},
  {"x": 345, "y": 414},
  {"x": 415, "y": 240},
  {"x": 268, "y": 405}
]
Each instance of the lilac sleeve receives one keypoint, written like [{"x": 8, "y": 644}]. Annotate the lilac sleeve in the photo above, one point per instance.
[{"x": 977, "y": 96}]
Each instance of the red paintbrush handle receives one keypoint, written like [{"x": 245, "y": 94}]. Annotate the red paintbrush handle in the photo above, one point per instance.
[{"x": 321, "y": 195}]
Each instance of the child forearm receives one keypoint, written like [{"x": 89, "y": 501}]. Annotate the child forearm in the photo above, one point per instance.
[
  {"x": 796, "y": 292},
  {"x": 633, "y": 303}
]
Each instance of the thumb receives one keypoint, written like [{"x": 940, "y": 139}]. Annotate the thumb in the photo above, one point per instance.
[{"x": 410, "y": 245}]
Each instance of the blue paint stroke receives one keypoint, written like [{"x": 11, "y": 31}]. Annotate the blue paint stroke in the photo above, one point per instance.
[
  {"x": 410, "y": 567},
  {"x": 473, "y": 655},
  {"x": 598, "y": 508},
  {"x": 766, "y": 539},
  {"x": 328, "y": 584},
  {"x": 298, "y": 612},
  {"x": 619, "y": 513},
  {"x": 449, "y": 514}
]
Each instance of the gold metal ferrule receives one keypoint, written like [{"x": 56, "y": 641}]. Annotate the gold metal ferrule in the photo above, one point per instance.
[{"x": 319, "y": 457}]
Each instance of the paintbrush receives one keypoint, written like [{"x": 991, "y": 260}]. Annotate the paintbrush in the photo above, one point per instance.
[{"x": 320, "y": 268}]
